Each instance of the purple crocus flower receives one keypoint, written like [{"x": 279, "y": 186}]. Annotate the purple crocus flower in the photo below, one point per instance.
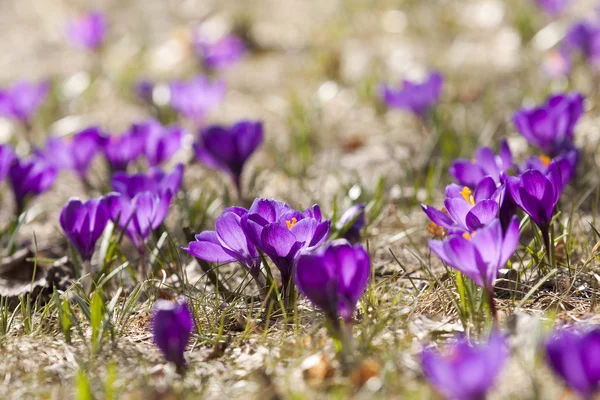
[
  {"x": 550, "y": 127},
  {"x": 334, "y": 277},
  {"x": 140, "y": 215},
  {"x": 418, "y": 98},
  {"x": 160, "y": 143},
  {"x": 228, "y": 148},
  {"x": 88, "y": 31},
  {"x": 172, "y": 326},
  {"x": 466, "y": 210},
  {"x": 75, "y": 153},
  {"x": 30, "y": 177},
  {"x": 221, "y": 53},
  {"x": 584, "y": 38},
  {"x": 352, "y": 222},
  {"x": 282, "y": 232},
  {"x": 553, "y": 7},
  {"x": 7, "y": 156},
  {"x": 21, "y": 101},
  {"x": 122, "y": 150},
  {"x": 227, "y": 243},
  {"x": 195, "y": 98},
  {"x": 537, "y": 194},
  {"x": 83, "y": 223},
  {"x": 155, "y": 181},
  {"x": 480, "y": 254},
  {"x": 144, "y": 89},
  {"x": 575, "y": 357},
  {"x": 470, "y": 172},
  {"x": 465, "y": 371}
]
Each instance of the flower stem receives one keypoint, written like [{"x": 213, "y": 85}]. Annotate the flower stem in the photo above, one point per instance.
[
  {"x": 492, "y": 303},
  {"x": 547, "y": 236},
  {"x": 342, "y": 332}
]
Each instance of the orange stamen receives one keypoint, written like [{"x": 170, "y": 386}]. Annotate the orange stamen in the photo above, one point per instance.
[{"x": 291, "y": 223}]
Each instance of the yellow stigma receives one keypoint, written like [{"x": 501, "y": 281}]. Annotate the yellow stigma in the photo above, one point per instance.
[
  {"x": 466, "y": 235},
  {"x": 291, "y": 223},
  {"x": 466, "y": 194},
  {"x": 546, "y": 160}
]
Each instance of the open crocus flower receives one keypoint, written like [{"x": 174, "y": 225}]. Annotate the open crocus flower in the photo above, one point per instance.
[
  {"x": 352, "y": 222},
  {"x": 470, "y": 172},
  {"x": 87, "y": 31},
  {"x": 160, "y": 143},
  {"x": 464, "y": 371},
  {"x": 122, "y": 150},
  {"x": 7, "y": 156},
  {"x": 83, "y": 223},
  {"x": 221, "y": 53},
  {"x": 172, "y": 326},
  {"x": 228, "y": 148},
  {"x": 76, "y": 153},
  {"x": 575, "y": 357},
  {"x": 480, "y": 254},
  {"x": 566, "y": 163},
  {"x": 30, "y": 177},
  {"x": 282, "y": 232},
  {"x": 227, "y": 243},
  {"x": 155, "y": 181},
  {"x": 418, "y": 98},
  {"x": 466, "y": 210},
  {"x": 20, "y": 101},
  {"x": 550, "y": 127},
  {"x": 195, "y": 98},
  {"x": 334, "y": 277}
]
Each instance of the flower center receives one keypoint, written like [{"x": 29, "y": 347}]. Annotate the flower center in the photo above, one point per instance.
[
  {"x": 467, "y": 235},
  {"x": 545, "y": 160},
  {"x": 466, "y": 194},
  {"x": 291, "y": 223}
]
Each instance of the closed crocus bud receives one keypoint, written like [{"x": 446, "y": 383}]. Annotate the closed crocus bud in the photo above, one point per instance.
[
  {"x": 417, "y": 98},
  {"x": 30, "y": 177},
  {"x": 20, "y": 101},
  {"x": 228, "y": 148},
  {"x": 172, "y": 326},
  {"x": 83, "y": 223},
  {"x": 465, "y": 371},
  {"x": 120, "y": 151},
  {"x": 334, "y": 277},
  {"x": 352, "y": 222},
  {"x": 144, "y": 89},
  {"x": 160, "y": 142},
  {"x": 573, "y": 356},
  {"x": 220, "y": 53},
  {"x": 88, "y": 31},
  {"x": 195, "y": 98},
  {"x": 155, "y": 181}
]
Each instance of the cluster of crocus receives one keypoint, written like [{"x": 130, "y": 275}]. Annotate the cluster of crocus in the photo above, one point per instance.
[
  {"x": 87, "y": 31},
  {"x": 228, "y": 148},
  {"x": 220, "y": 53},
  {"x": 20, "y": 101},
  {"x": 464, "y": 371},
  {"x": 172, "y": 327},
  {"x": 270, "y": 226},
  {"x": 195, "y": 98},
  {"x": 417, "y": 98}
]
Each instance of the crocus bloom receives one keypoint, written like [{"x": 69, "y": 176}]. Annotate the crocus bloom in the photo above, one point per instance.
[
  {"x": 144, "y": 89},
  {"x": 537, "y": 194},
  {"x": 122, "y": 150},
  {"x": 7, "y": 156},
  {"x": 352, "y": 221},
  {"x": 140, "y": 215},
  {"x": 566, "y": 163},
  {"x": 155, "y": 181},
  {"x": 465, "y": 371},
  {"x": 282, "y": 232},
  {"x": 30, "y": 177},
  {"x": 221, "y": 53},
  {"x": 334, "y": 277},
  {"x": 553, "y": 7},
  {"x": 480, "y": 254},
  {"x": 227, "y": 243},
  {"x": 21, "y": 101},
  {"x": 467, "y": 210},
  {"x": 418, "y": 98},
  {"x": 583, "y": 38},
  {"x": 195, "y": 98},
  {"x": 550, "y": 127},
  {"x": 172, "y": 325},
  {"x": 83, "y": 223},
  {"x": 87, "y": 31},
  {"x": 228, "y": 148},
  {"x": 160, "y": 143},
  {"x": 470, "y": 172},
  {"x": 76, "y": 153},
  {"x": 575, "y": 357}
]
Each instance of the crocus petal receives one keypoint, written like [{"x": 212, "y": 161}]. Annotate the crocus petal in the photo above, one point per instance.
[
  {"x": 438, "y": 217},
  {"x": 277, "y": 239},
  {"x": 481, "y": 214}
]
